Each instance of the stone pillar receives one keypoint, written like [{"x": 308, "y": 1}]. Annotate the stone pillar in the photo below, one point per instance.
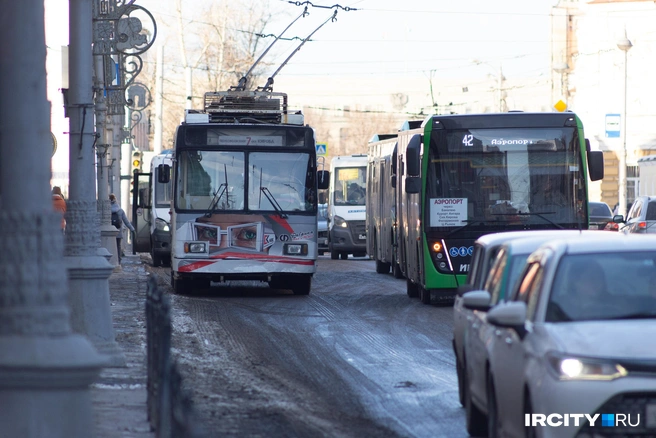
[
  {"x": 88, "y": 271},
  {"x": 45, "y": 368}
]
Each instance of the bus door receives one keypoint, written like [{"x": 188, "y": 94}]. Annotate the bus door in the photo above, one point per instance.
[{"x": 141, "y": 212}]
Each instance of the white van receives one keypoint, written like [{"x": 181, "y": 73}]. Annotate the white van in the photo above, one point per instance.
[
  {"x": 160, "y": 197},
  {"x": 347, "y": 211}
]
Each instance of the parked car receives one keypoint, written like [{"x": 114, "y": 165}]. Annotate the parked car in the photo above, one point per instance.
[
  {"x": 641, "y": 218},
  {"x": 485, "y": 251},
  {"x": 322, "y": 228},
  {"x": 600, "y": 216},
  {"x": 506, "y": 267},
  {"x": 577, "y": 337}
]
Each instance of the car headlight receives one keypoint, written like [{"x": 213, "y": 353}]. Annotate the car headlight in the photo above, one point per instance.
[
  {"x": 161, "y": 225},
  {"x": 569, "y": 367},
  {"x": 340, "y": 222}
]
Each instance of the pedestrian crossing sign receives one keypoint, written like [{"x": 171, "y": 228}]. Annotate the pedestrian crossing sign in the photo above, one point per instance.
[{"x": 322, "y": 148}]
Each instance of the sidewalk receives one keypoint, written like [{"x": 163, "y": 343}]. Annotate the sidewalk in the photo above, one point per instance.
[{"x": 119, "y": 395}]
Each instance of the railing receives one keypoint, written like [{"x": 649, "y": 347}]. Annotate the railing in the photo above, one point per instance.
[{"x": 170, "y": 411}]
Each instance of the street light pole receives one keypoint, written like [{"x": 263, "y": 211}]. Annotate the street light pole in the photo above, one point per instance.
[{"x": 623, "y": 44}]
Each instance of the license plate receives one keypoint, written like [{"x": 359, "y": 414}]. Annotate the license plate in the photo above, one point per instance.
[
  {"x": 650, "y": 416},
  {"x": 362, "y": 236}
]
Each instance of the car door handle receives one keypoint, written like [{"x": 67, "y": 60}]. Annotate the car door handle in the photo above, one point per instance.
[
  {"x": 469, "y": 317},
  {"x": 509, "y": 340},
  {"x": 498, "y": 333},
  {"x": 475, "y": 325}
]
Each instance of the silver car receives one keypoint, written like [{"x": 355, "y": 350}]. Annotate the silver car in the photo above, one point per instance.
[
  {"x": 574, "y": 352},
  {"x": 641, "y": 218},
  {"x": 485, "y": 251},
  {"x": 505, "y": 268},
  {"x": 322, "y": 228}
]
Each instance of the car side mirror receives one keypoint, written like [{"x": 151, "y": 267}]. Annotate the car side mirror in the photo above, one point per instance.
[
  {"x": 510, "y": 314},
  {"x": 618, "y": 219},
  {"x": 476, "y": 300}
]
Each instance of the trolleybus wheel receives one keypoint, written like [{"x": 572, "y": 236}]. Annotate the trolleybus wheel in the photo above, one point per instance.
[
  {"x": 411, "y": 288},
  {"x": 424, "y": 295}
]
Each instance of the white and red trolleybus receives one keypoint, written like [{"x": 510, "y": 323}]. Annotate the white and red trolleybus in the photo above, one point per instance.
[{"x": 245, "y": 184}]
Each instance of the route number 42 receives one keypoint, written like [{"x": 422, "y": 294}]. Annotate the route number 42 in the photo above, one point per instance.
[{"x": 468, "y": 140}]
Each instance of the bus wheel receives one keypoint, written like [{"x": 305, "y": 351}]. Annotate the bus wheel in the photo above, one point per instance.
[
  {"x": 424, "y": 295},
  {"x": 334, "y": 255},
  {"x": 381, "y": 267},
  {"x": 343, "y": 255},
  {"x": 411, "y": 288},
  {"x": 302, "y": 285},
  {"x": 181, "y": 287}
]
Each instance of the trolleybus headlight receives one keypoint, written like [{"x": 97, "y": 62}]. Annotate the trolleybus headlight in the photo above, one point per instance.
[
  {"x": 195, "y": 247},
  {"x": 161, "y": 225},
  {"x": 340, "y": 222},
  {"x": 295, "y": 249}
]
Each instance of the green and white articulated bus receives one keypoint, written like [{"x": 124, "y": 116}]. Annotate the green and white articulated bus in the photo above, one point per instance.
[
  {"x": 462, "y": 176},
  {"x": 245, "y": 184}
]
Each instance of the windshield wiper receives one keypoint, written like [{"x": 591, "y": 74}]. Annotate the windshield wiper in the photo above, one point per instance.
[
  {"x": 540, "y": 215},
  {"x": 468, "y": 224},
  {"x": 218, "y": 194},
  {"x": 273, "y": 201}
]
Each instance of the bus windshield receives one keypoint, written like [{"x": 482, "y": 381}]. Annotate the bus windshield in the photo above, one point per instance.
[
  {"x": 217, "y": 181},
  {"x": 527, "y": 176}
]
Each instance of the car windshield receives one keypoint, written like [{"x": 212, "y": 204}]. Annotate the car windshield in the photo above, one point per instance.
[{"x": 604, "y": 286}]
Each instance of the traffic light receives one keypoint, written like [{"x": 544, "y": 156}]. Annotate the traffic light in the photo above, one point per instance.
[{"x": 137, "y": 160}]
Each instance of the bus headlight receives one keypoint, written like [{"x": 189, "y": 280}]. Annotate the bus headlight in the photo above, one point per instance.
[
  {"x": 295, "y": 249},
  {"x": 161, "y": 225},
  {"x": 195, "y": 247}
]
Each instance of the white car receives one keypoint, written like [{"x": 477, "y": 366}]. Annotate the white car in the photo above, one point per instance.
[
  {"x": 574, "y": 352},
  {"x": 485, "y": 251},
  {"x": 506, "y": 266}
]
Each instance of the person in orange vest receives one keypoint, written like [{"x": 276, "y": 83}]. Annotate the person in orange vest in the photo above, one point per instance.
[{"x": 59, "y": 204}]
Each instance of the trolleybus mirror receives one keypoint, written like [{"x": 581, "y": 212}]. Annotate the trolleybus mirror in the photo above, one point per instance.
[
  {"x": 323, "y": 178},
  {"x": 163, "y": 173},
  {"x": 412, "y": 155}
]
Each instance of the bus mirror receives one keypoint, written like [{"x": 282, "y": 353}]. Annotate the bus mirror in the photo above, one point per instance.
[
  {"x": 596, "y": 165},
  {"x": 412, "y": 155},
  {"x": 412, "y": 184},
  {"x": 393, "y": 181},
  {"x": 163, "y": 173},
  {"x": 323, "y": 179}
]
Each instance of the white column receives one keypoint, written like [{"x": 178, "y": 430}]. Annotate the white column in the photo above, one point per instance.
[{"x": 45, "y": 369}]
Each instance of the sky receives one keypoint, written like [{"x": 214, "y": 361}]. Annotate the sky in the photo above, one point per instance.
[{"x": 398, "y": 38}]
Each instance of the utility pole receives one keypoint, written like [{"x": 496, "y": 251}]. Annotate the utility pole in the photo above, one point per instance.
[{"x": 159, "y": 99}]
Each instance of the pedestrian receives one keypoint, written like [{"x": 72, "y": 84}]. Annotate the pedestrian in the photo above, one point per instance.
[
  {"x": 59, "y": 204},
  {"x": 120, "y": 221}
]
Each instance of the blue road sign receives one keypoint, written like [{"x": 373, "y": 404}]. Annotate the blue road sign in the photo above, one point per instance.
[
  {"x": 322, "y": 148},
  {"x": 613, "y": 125}
]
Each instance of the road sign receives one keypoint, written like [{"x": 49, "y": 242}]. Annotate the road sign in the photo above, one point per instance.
[
  {"x": 322, "y": 148},
  {"x": 613, "y": 125},
  {"x": 560, "y": 106}
]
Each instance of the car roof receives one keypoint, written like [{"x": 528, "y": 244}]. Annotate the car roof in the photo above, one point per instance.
[
  {"x": 608, "y": 243},
  {"x": 500, "y": 238},
  {"x": 529, "y": 244}
]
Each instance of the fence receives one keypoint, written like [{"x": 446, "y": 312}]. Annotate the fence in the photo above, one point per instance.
[{"x": 170, "y": 412}]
